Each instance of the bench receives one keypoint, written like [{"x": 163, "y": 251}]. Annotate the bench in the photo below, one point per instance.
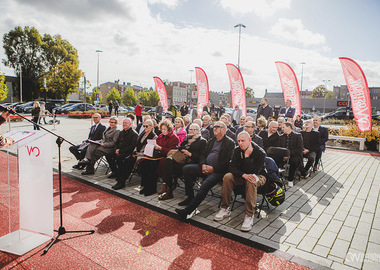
[{"x": 346, "y": 138}]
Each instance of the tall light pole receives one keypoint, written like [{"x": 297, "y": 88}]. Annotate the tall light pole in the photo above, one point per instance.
[
  {"x": 302, "y": 63},
  {"x": 324, "y": 101},
  {"x": 97, "y": 80},
  {"x": 240, "y": 26}
]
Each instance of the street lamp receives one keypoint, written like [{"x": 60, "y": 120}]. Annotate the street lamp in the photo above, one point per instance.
[
  {"x": 240, "y": 26},
  {"x": 97, "y": 81},
  {"x": 302, "y": 63},
  {"x": 324, "y": 102}
]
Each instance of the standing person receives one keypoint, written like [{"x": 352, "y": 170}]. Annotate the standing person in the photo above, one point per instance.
[
  {"x": 184, "y": 109},
  {"x": 173, "y": 110},
  {"x": 220, "y": 111},
  {"x": 207, "y": 108},
  {"x": 324, "y": 137},
  {"x": 138, "y": 112},
  {"x": 288, "y": 111},
  {"x": 159, "y": 111},
  {"x": 311, "y": 142},
  {"x": 43, "y": 112},
  {"x": 193, "y": 112},
  {"x": 212, "y": 167},
  {"x": 264, "y": 109},
  {"x": 110, "y": 105},
  {"x": 36, "y": 114},
  {"x": 116, "y": 107},
  {"x": 236, "y": 115}
]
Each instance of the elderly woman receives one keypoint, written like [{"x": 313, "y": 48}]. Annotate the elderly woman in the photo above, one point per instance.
[
  {"x": 179, "y": 130},
  {"x": 261, "y": 126},
  {"x": 193, "y": 146},
  {"x": 36, "y": 114},
  {"x": 152, "y": 167},
  {"x": 105, "y": 146}
]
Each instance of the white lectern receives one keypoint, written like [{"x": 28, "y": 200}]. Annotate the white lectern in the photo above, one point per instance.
[{"x": 30, "y": 191}]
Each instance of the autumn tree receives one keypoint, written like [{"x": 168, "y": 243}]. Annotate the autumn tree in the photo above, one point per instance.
[
  {"x": 143, "y": 98},
  {"x": 153, "y": 98},
  {"x": 114, "y": 95},
  {"x": 319, "y": 91},
  {"x": 249, "y": 93},
  {"x": 129, "y": 97},
  {"x": 3, "y": 87}
]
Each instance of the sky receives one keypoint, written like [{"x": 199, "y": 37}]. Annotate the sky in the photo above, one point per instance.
[{"x": 141, "y": 39}]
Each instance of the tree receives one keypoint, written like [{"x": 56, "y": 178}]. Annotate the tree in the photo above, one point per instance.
[
  {"x": 143, "y": 98},
  {"x": 63, "y": 80},
  {"x": 3, "y": 87},
  {"x": 249, "y": 93},
  {"x": 129, "y": 97},
  {"x": 319, "y": 91},
  {"x": 329, "y": 95},
  {"x": 153, "y": 98},
  {"x": 94, "y": 95},
  {"x": 113, "y": 95}
]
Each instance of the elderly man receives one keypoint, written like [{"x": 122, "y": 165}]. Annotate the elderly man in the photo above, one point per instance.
[
  {"x": 207, "y": 124},
  {"x": 229, "y": 132},
  {"x": 249, "y": 127},
  {"x": 95, "y": 134},
  {"x": 271, "y": 138},
  {"x": 212, "y": 167},
  {"x": 264, "y": 109},
  {"x": 125, "y": 145},
  {"x": 288, "y": 111},
  {"x": 245, "y": 168},
  {"x": 187, "y": 122},
  {"x": 292, "y": 141},
  {"x": 236, "y": 115},
  {"x": 311, "y": 142},
  {"x": 324, "y": 137},
  {"x": 207, "y": 108}
]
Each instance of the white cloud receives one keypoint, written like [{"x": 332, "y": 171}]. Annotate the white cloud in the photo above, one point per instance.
[
  {"x": 294, "y": 31},
  {"x": 169, "y": 3},
  {"x": 262, "y": 8}
]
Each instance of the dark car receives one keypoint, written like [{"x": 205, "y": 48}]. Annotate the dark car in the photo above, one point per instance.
[
  {"x": 58, "y": 110},
  {"x": 78, "y": 107},
  {"x": 21, "y": 108}
]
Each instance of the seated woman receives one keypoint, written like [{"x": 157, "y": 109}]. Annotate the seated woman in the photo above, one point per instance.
[
  {"x": 193, "y": 147},
  {"x": 104, "y": 147},
  {"x": 179, "y": 130},
  {"x": 164, "y": 143}
]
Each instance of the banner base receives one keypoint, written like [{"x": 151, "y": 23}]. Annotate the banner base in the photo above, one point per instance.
[{"x": 20, "y": 242}]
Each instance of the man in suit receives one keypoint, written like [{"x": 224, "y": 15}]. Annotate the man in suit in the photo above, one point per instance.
[
  {"x": 324, "y": 137},
  {"x": 207, "y": 108},
  {"x": 96, "y": 134},
  {"x": 311, "y": 142},
  {"x": 292, "y": 141},
  {"x": 236, "y": 115},
  {"x": 288, "y": 111},
  {"x": 264, "y": 109},
  {"x": 271, "y": 138}
]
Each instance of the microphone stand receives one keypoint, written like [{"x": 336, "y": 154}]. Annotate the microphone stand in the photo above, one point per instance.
[{"x": 61, "y": 230}]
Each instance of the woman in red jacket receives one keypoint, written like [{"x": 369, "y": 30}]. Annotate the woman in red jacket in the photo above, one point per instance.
[{"x": 138, "y": 112}]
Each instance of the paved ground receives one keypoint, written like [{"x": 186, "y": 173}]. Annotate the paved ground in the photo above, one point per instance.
[{"x": 331, "y": 219}]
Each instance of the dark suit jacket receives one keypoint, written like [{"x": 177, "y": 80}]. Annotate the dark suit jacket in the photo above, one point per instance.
[
  {"x": 290, "y": 114},
  {"x": 98, "y": 133},
  {"x": 127, "y": 142},
  {"x": 314, "y": 142},
  {"x": 324, "y": 134},
  {"x": 296, "y": 143},
  {"x": 257, "y": 140},
  {"x": 266, "y": 112}
]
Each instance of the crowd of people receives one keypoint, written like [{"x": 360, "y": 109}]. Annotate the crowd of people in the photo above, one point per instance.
[{"x": 235, "y": 150}]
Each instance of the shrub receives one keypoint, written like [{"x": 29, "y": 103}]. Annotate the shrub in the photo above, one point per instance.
[{"x": 352, "y": 130}]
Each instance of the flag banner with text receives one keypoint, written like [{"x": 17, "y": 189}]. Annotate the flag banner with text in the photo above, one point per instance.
[
  {"x": 237, "y": 88},
  {"x": 202, "y": 89},
  {"x": 289, "y": 85},
  {"x": 161, "y": 91},
  {"x": 359, "y": 93}
]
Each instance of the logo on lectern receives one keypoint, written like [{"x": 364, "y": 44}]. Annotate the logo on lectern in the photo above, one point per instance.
[{"x": 33, "y": 150}]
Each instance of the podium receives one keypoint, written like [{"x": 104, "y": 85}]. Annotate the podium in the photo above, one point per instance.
[{"x": 29, "y": 184}]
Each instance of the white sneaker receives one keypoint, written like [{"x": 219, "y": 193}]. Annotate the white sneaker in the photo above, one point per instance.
[
  {"x": 247, "y": 224},
  {"x": 223, "y": 213},
  {"x": 290, "y": 184}
]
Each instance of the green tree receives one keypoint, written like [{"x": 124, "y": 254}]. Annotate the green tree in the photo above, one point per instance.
[
  {"x": 3, "y": 87},
  {"x": 319, "y": 91},
  {"x": 153, "y": 98},
  {"x": 143, "y": 98},
  {"x": 129, "y": 97},
  {"x": 249, "y": 93},
  {"x": 93, "y": 95},
  {"x": 63, "y": 80},
  {"x": 114, "y": 95},
  {"x": 329, "y": 95}
]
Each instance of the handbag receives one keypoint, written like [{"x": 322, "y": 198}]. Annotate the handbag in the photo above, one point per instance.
[{"x": 177, "y": 156}]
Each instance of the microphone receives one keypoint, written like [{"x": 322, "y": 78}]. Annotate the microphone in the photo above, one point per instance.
[{"x": 6, "y": 109}]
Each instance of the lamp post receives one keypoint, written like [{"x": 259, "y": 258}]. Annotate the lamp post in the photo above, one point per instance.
[
  {"x": 97, "y": 80},
  {"x": 302, "y": 63},
  {"x": 324, "y": 102},
  {"x": 240, "y": 26}
]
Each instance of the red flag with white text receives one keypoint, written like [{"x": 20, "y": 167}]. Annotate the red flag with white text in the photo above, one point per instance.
[
  {"x": 202, "y": 89},
  {"x": 161, "y": 90},
  {"x": 237, "y": 88},
  {"x": 289, "y": 85},
  {"x": 359, "y": 93}
]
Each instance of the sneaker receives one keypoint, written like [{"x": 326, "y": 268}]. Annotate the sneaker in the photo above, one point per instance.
[
  {"x": 290, "y": 184},
  {"x": 223, "y": 213},
  {"x": 247, "y": 224}
]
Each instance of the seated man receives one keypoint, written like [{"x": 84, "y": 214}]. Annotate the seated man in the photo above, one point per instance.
[
  {"x": 101, "y": 148},
  {"x": 246, "y": 165},
  {"x": 311, "y": 142},
  {"x": 204, "y": 132},
  {"x": 229, "y": 132},
  {"x": 125, "y": 145},
  {"x": 292, "y": 141},
  {"x": 96, "y": 134},
  {"x": 212, "y": 167},
  {"x": 207, "y": 124},
  {"x": 324, "y": 137},
  {"x": 270, "y": 139},
  {"x": 249, "y": 127}
]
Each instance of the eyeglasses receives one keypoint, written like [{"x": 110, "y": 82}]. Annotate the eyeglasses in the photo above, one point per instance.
[{"x": 112, "y": 122}]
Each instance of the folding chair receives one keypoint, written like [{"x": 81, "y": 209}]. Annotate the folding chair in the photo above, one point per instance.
[{"x": 103, "y": 161}]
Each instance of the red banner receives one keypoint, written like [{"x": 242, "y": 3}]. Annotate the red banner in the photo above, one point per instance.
[
  {"x": 289, "y": 85},
  {"x": 161, "y": 90},
  {"x": 237, "y": 88},
  {"x": 359, "y": 93},
  {"x": 202, "y": 90}
]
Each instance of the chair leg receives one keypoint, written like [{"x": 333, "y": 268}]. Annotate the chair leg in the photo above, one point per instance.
[{"x": 233, "y": 202}]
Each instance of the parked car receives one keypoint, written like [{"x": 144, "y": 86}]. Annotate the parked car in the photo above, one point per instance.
[
  {"x": 21, "y": 107},
  {"x": 101, "y": 107},
  {"x": 58, "y": 110},
  {"x": 252, "y": 112},
  {"x": 305, "y": 116},
  {"x": 78, "y": 107}
]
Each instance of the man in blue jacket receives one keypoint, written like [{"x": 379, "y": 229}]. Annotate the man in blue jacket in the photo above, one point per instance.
[{"x": 288, "y": 111}]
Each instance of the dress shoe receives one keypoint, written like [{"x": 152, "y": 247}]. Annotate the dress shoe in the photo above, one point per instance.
[
  {"x": 166, "y": 196},
  {"x": 185, "y": 202},
  {"x": 182, "y": 214},
  {"x": 88, "y": 173},
  {"x": 112, "y": 175},
  {"x": 163, "y": 188},
  {"x": 118, "y": 185}
]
